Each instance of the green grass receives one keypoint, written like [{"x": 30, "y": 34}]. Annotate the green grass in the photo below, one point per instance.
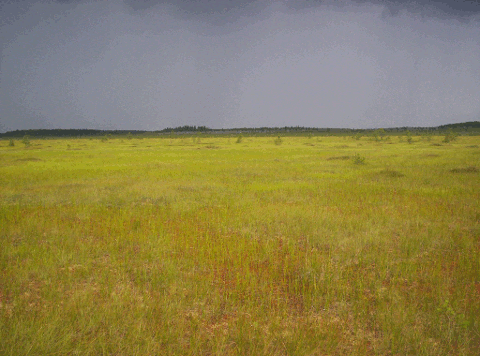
[{"x": 182, "y": 246}]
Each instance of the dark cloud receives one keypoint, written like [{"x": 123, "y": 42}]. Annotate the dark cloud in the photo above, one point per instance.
[
  {"x": 150, "y": 64},
  {"x": 440, "y": 8},
  {"x": 453, "y": 7}
]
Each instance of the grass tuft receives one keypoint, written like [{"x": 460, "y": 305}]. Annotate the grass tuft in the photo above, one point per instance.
[
  {"x": 28, "y": 159},
  {"x": 338, "y": 158},
  {"x": 391, "y": 173},
  {"x": 470, "y": 169}
]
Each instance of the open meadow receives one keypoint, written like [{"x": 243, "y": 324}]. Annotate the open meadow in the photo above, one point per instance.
[{"x": 198, "y": 245}]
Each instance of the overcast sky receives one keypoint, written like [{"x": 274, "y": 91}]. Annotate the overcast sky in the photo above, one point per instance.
[{"x": 148, "y": 65}]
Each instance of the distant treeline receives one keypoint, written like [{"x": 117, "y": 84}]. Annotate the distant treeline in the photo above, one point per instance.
[
  {"x": 185, "y": 128},
  {"x": 43, "y": 133},
  {"x": 468, "y": 128},
  {"x": 462, "y": 126}
]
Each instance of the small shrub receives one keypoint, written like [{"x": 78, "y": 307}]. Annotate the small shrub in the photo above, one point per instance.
[
  {"x": 427, "y": 136},
  {"x": 278, "y": 141},
  {"x": 409, "y": 137},
  {"x": 239, "y": 139},
  {"x": 379, "y": 134},
  {"x": 11, "y": 143},
  {"x": 26, "y": 141},
  {"x": 197, "y": 138},
  {"x": 357, "y": 159},
  {"x": 450, "y": 136}
]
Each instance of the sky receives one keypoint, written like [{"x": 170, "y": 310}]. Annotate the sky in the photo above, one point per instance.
[{"x": 153, "y": 64}]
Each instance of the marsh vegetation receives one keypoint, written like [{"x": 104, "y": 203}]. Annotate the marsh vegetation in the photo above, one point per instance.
[{"x": 165, "y": 246}]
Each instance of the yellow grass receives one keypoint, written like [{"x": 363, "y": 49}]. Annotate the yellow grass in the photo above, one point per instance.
[{"x": 180, "y": 246}]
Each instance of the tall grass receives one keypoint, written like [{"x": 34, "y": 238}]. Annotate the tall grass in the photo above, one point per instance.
[{"x": 170, "y": 247}]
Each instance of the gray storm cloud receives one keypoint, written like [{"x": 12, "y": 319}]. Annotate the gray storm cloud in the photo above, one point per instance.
[{"x": 107, "y": 65}]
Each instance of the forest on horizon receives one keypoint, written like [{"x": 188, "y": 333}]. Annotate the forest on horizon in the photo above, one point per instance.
[{"x": 469, "y": 128}]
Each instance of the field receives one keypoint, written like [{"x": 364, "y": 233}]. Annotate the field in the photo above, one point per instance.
[{"x": 208, "y": 246}]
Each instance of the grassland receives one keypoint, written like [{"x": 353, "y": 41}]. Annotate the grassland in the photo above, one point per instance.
[{"x": 187, "y": 246}]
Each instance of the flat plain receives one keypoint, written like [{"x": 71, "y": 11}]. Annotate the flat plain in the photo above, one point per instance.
[{"x": 316, "y": 245}]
